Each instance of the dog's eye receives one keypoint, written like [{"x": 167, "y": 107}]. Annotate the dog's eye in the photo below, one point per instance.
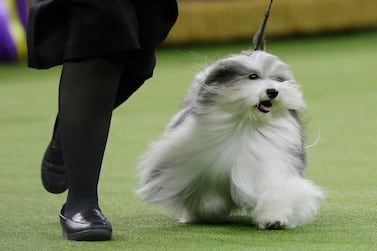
[
  {"x": 253, "y": 76},
  {"x": 280, "y": 79}
]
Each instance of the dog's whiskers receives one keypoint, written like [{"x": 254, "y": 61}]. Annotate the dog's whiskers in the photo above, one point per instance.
[
  {"x": 251, "y": 115},
  {"x": 316, "y": 140}
]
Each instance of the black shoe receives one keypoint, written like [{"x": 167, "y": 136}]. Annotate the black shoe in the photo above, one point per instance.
[
  {"x": 53, "y": 174},
  {"x": 87, "y": 225}
]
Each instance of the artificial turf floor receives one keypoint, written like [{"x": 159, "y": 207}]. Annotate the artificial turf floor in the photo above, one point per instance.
[{"x": 339, "y": 79}]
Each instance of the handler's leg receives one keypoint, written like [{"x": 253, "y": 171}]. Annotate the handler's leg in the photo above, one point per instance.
[
  {"x": 138, "y": 66},
  {"x": 86, "y": 98}
]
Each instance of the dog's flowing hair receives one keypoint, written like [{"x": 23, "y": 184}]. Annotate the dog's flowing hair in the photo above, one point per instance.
[{"x": 236, "y": 145}]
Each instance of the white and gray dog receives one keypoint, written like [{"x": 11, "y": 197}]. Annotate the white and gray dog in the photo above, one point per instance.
[{"x": 236, "y": 145}]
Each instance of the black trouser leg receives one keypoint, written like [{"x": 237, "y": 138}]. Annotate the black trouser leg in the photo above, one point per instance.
[
  {"x": 77, "y": 78},
  {"x": 86, "y": 97}
]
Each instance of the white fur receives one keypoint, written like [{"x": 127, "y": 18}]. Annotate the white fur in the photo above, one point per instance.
[{"x": 220, "y": 154}]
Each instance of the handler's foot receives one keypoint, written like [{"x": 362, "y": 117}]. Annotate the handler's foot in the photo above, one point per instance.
[
  {"x": 53, "y": 174},
  {"x": 86, "y": 225}
]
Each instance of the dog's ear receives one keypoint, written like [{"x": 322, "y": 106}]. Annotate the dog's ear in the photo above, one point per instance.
[
  {"x": 226, "y": 70},
  {"x": 222, "y": 73},
  {"x": 259, "y": 36}
]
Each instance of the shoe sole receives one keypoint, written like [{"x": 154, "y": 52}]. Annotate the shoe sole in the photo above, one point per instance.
[
  {"x": 89, "y": 235},
  {"x": 53, "y": 178},
  {"x": 53, "y": 173}
]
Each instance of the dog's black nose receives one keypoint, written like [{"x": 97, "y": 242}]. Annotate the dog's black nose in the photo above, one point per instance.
[{"x": 272, "y": 93}]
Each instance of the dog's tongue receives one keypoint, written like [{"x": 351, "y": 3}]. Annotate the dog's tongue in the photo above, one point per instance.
[{"x": 265, "y": 106}]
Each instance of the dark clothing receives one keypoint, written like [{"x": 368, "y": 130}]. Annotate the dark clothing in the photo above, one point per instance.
[
  {"x": 107, "y": 50},
  {"x": 68, "y": 30}
]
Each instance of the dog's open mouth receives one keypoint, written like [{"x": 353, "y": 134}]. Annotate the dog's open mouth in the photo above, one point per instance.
[{"x": 265, "y": 106}]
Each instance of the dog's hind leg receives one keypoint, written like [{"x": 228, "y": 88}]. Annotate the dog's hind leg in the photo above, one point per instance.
[{"x": 212, "y": 208}]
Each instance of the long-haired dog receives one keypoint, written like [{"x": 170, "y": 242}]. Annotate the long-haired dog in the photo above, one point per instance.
[{"x": 237, "y": 144}]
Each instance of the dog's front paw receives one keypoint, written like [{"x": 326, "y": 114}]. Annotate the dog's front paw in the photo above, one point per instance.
[
  {"x": 290, "y": 204},
  {"x": 272, "y": 222},
  {"x": 276, "y": 225}
]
